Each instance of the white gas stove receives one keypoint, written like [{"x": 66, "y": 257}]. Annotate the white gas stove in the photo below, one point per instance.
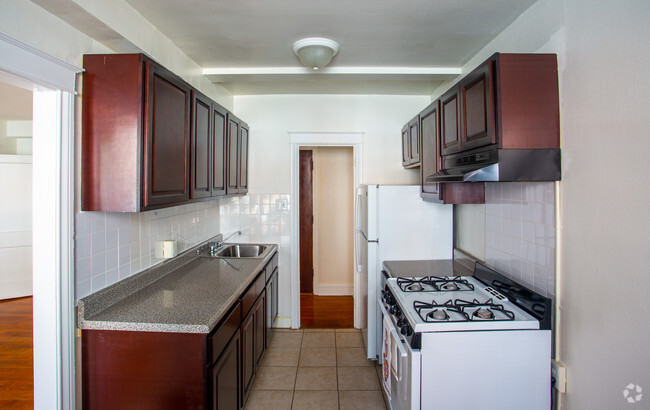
[{"x": 492, "y": 333}]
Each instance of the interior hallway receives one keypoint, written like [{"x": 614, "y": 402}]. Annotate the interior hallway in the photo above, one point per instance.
[
  {"x": 326, "y": 311},
  {"x": 16, "y": 354}
]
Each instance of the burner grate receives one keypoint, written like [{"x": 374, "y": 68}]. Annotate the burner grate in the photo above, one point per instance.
[{"x": 434, "y": 284}]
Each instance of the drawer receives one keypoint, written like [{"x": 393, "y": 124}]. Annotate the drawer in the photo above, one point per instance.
[
  {"x": 271, "y": 266},
  {"x": 220, "y": 338},
  {"x": 254, "y": 290}
]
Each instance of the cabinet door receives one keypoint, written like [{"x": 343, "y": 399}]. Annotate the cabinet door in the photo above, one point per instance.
[
  {"x": 232, "y": 176},
  {"x": 414, "y": 146},
  {"x": 449, "y": 122},
  {"x": 430, "y": 152},
  {"x": 243, "y": 158},
  {"x": 477, "y": 114},
  {"x": 260, "y": 325},
  {"x": 219, "y": 158},
  {"x": 270, "y": 287},
  {"x": 201, "y": 145},
  {"x": 274, "y": 303},
  {"x": 224, "y": 378},
  {"x": 247, "y": 354},
  {"x": 167, "y": 138},
  {"x": 406, "y": 149}
]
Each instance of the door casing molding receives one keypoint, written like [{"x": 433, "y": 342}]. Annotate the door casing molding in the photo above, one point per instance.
[{"x": 316, "y": 139}]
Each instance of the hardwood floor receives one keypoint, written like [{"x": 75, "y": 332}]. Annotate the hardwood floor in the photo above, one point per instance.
[
  {"x": 326, "y": 311},
  {"x": 16, "y": 354}
]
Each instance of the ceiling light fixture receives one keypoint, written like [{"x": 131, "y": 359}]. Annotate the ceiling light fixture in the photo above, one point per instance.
[{"x": 315, "y": 52}]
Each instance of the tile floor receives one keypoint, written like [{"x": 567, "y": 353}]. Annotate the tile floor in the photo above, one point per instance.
[{"x": 316, "y": 369}]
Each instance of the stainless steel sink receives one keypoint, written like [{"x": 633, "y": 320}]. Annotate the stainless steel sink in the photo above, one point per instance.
[{"x": 240, "y": 251}]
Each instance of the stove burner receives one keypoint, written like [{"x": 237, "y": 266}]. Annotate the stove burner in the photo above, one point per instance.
[
  {"x": 434, "y": 284},
  {"x": 416, "y": 287},
  {"x": 449, "y": 286},
  {"x": 483, "y": 313},
  {"x": 438, "y": 314}
]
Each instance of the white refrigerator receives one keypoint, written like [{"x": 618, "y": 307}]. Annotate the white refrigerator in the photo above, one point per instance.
[{"x": 392, "y": 222}]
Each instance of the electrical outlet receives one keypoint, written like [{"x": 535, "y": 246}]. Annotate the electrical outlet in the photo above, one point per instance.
[
  {"x": 558, "y": 372},
  {"x": 282, "y": 204}
]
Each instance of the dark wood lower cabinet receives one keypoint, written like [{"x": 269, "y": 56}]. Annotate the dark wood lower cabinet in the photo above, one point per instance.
[
  {"x": 164, "y": 370},
  {"x": 224, "y": 377},
  {"x": 252, "y": 344},
  {"x": 143, "y": 370}
]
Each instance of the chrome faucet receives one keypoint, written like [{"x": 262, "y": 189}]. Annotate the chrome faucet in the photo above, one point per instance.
[{"x": 220, "y": 243}]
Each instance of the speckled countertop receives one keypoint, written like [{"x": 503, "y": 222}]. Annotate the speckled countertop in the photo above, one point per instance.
[
  {"x": 440, "y": 267},
  {"x": 187, "y": 294}
]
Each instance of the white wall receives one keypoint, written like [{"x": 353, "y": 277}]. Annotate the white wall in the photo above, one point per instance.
[
  {"x": 604, "y": 249},
  {"x": 272, "y": 117}
]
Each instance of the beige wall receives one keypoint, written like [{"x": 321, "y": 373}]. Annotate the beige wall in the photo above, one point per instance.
[
  {"x": 333, "y": 221},
  {"x": 604, "y": 251}
]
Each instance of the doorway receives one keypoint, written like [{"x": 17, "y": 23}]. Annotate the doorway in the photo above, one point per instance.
[{"x": 326, "y": 237}]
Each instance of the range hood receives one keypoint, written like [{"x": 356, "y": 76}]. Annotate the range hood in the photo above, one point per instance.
[{"x": 494, "y": 164}]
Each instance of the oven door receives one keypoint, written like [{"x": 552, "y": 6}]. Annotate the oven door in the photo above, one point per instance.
[{"x": 400, "y": 366}]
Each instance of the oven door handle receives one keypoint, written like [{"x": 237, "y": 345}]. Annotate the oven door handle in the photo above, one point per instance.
[{"x": 402, "y": 353}]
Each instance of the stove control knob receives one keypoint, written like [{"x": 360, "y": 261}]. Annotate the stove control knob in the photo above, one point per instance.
[
  {"x": 406, "y": 329},
  {"x": 400, "y": 322},
  {"x": 392, "y": 308},
  {"x": 398, "y": 311}
]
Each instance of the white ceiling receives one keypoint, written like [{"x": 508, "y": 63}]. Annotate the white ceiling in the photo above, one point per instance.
[{"x": 371, "y": 33}]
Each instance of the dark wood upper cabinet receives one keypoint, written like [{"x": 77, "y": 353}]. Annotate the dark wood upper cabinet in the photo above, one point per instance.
[
  {"x": 149, "y": 140},
  {"x": 237, "y": 147},
  {"x": 450, "y": 122},
  {"x": 167, "y": 142},
  {"x": 411, "y": 144},
  {"x": 430, "y": 151},
  {"x": 406, "y": 150},
  {"x": 136, "y": 135},
  {"x": 219, "y": 157},
  {"x": 243, "y": 158},
  {"x": 202, "y": 132},
  {"x": 477, "y": 116},
  {"x": 511, "y": 100},
  {"x": 232, "y": 177}
]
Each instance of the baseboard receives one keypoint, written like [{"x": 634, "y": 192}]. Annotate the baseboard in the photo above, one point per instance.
[
  {"x": 282, "y": 323},
  {"x": 334, "y": 290}
]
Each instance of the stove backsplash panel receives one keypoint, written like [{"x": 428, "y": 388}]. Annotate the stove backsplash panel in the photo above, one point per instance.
[{"x": 520, "y": 232}]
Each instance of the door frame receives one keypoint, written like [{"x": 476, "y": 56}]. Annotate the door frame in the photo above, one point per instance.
[
  {"x": 53, "y": 82},
  {"x": 317, "y": 139}
]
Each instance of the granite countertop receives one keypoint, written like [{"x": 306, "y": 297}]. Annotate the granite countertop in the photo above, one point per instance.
[
  {"x": 418, "y": 268},
  {"x": 187, "y": 294}
]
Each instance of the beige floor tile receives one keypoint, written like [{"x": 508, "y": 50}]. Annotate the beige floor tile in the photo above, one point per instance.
[
  {"x": 318, "y": 356},
  {"x": 362, "y": 400},
  {"x": 316, "y": 378},
  {"x": 357, "y": 378},
  {"x": 352, "y": 356},
  {"x": 348, "y": 330},
  {"x": 315, "y": 400},
  {"x": 319, "y": 330},
  {"x": 349, "y": 340},
  {"x": 281, "y": 356},
  {"x": 286, "y": 330},
  {"x": 269, "y": 399},
  {"x": 310, "y": 340},
  {"x": 286, "y": 339},
  {"x": 275, "y": 378}
]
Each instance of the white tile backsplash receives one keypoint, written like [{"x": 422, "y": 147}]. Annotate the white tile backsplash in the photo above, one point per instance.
[
  {"x": 113, "y": 246},
  {"x": 520, "y": 232}
]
